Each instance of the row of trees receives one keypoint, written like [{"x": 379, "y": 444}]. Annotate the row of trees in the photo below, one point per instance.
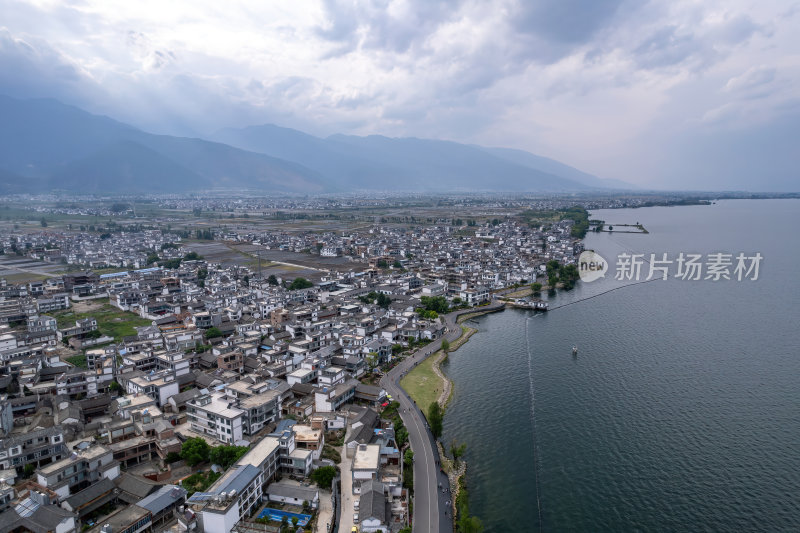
[
  {"x": 196, "y": 450},
  {"x": 381, "y": 299},
  {"x": 435, "y": 303},
  {"x": 567, "y": 275}
]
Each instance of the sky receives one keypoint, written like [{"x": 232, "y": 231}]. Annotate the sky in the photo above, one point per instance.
[{"x": 671, "y": 94}]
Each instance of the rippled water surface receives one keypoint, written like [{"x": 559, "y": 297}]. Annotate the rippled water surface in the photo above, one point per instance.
[{"x": 681, "y": 411}]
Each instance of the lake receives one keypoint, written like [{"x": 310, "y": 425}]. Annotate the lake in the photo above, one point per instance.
[{"x": 681, "y": 410}]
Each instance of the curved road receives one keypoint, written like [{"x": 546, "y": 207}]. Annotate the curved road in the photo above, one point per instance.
[{"x": 430, "y": 502}]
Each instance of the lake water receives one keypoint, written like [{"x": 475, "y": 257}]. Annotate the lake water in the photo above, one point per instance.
[{"x": 681, "y": 411}]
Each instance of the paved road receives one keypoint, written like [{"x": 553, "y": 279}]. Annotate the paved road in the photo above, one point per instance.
[
  {"x": 347, "y": 496},
  {"x": 430, "y": 501}
]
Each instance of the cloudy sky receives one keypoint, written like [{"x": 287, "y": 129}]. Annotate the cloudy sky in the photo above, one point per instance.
[{"x": 670, "y": 94}]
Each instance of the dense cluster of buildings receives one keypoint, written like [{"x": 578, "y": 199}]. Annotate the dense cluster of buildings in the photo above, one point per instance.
[
  {"x": 90, "y": 249},
  {"x": 226, "y": 355}
]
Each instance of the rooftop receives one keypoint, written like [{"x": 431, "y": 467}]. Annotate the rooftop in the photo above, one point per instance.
[
  {"x": 367, "y": 457},
  {"x": 260, "y": 452}
]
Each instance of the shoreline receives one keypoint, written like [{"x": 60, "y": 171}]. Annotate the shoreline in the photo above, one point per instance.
[{"x": 443, "y": 397}]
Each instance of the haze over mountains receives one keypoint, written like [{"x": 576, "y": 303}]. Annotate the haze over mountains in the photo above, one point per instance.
[{"x": 46, "y": 145}]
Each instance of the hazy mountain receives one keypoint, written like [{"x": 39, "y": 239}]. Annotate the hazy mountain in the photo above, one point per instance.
[
  {"x": 11, "y": 183},
  {"x": 545, "y": 164},
  {"x": 383, "y": 163},
  {"x": 134, "y": 168},
  {"x": 46, "y": 145},
  {"x": 344, "y": 166},
  {"x": 75, "y": 150}
]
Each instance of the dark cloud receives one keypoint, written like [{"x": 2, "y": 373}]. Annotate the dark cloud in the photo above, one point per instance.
[
  {"x": 532, "y": 71},
  {"x": 675, "y": 45},
  {"x": 31, "y": 68},
  {"x": 372, "y": 24},
  {"x": 566, "y": 22}
]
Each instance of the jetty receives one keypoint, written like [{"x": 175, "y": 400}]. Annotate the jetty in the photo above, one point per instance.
[{"x": 526, "y": 303}]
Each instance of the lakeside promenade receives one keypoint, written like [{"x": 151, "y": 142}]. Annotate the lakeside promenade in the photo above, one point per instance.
[{"x": 430, "y": 511}]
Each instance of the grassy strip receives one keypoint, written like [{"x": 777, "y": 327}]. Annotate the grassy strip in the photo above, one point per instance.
[
  {"x": 78, "y": 360},
  {"x": 421, "y": 383},
  {"x": 466, "y": 333},
  {"x": 110, "y": 321}
]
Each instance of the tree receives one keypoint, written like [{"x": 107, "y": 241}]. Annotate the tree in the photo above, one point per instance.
[
  {"x": 435, "y": 418},
  {"x": 152, "y": 258},
  {"x": 383, "y": 300},
  {"x": 536, "y": 288},
  {"x": 445, "y": 345},
  {"x": 272, "y": 280},
  {"x": 300, "y": 283},
  {"x": 225, "y": 456},
  {"x": 323, "y": 476},
  {"x": 13, "y": 386},
  {"x": 172, "y": 263},
  {"x": 195, "y": 450},
  {"x": 28, "y": 470},
  {"x": 246, "y": 281},
  {"x": 212, "y": 333},
  {"x": 172, "y": 457},
  {"x": 114, "y": 387},
  {"x": 429, "y": 315},
  {"x": 457, "y": 451},
  {"x": 372, "y": 359},
  {"x": 408, "y": 458},
  {"x": 192, "y": 256},
  {"x": 435, "y": 303},
  {"x": 469, "y": 524}
]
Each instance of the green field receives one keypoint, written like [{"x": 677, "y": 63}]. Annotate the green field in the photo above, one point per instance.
[
  {"x": 110, "y": 320},
  {"x": 422, "y": 383}
]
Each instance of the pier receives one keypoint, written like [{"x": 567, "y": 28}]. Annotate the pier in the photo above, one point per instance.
[{"x": 534, "y": 305}]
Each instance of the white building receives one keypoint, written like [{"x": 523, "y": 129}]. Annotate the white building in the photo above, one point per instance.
[
  {"x": 366, "y": 462},
  {"x": 216, "y": 415},
  {"x": 160, "y": 386}
]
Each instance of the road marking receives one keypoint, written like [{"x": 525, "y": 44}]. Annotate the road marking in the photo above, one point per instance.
[{"x": 427, "y": 474}]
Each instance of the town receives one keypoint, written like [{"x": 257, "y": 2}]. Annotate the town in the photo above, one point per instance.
[{"x": 165, "y": 375}]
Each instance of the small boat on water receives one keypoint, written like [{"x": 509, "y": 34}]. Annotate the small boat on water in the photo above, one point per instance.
[{"x": 574, "y": 350}]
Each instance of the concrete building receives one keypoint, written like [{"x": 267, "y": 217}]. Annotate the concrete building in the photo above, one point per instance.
[
  {"x": 217, "y": 416},
  {"x": 76, "y": 472},
  {"x": 38, "y": 447},
  {"x": 366, "y": 463}
]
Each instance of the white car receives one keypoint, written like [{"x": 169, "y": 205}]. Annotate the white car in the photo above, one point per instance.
[{"x": 355, "y": 518}]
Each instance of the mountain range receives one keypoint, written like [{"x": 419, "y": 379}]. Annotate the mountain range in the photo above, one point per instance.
[{"x": 46, "y": 145}]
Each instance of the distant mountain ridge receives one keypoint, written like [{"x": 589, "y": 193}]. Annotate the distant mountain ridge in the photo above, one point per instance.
[
  {"x": 66, "y": 148},
  {"x": 383, "y": 163},
  {"x": 47, "y": 145}
]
